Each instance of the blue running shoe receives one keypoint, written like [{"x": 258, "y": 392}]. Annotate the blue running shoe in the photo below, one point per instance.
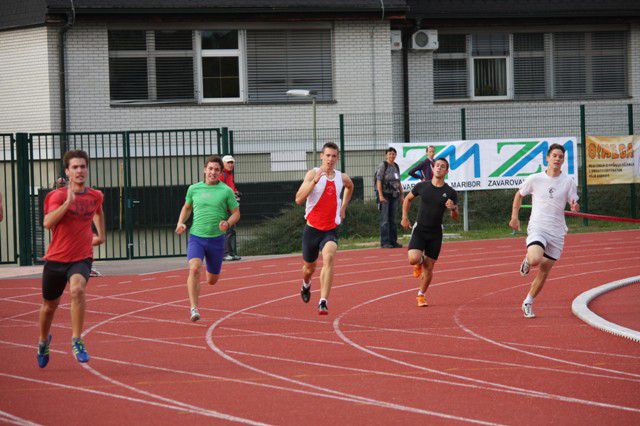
[
  {"x": 79, "y": 350},
  {"x": 43, "y": 352}
]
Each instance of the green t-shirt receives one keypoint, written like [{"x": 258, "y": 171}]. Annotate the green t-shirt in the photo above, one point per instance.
[{"x": 211, "y": 204}]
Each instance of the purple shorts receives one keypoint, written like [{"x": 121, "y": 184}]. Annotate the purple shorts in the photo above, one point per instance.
[{"x": 210, "y": 249}]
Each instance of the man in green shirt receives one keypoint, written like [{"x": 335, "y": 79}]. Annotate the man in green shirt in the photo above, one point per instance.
[{"x": 210, "y": 201}]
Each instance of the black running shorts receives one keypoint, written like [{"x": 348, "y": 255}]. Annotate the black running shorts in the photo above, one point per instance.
[
  {"x": 429, "y": 242},
  {"x": 55, "y": 276},
  {"x": 313, "y": 241}
]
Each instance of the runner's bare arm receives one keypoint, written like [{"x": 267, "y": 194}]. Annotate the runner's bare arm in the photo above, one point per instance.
[
  {"x": 514, "y": 223},
  {"x": 184, "y": 215},
  {"x": 52, "y": 218},
  {"x": 406, "y": 204},
  {"x": 98, "y": 221},
  {"x": 453, "y": 207},
  {"x": 346, "y": 195},
  {"x": 311, "y": 178},
  {"x": 224, "y": 225}
]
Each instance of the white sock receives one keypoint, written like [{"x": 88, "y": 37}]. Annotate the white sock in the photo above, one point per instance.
[
  {"x": 306, "y": 285},
  {"x": 528, "y": 300},
  {"x": 323, "y": 299},
  {"x": 420, "y": 293}
]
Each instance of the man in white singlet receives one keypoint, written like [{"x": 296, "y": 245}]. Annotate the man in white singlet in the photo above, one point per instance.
[
  {"x": 324, "y": 211},
  {"x": 551, "y": 190}
]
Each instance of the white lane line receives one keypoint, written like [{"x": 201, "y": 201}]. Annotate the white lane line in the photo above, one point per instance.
[
  {"x": 12, "y": 419},
  {"x": 354, "y": 398},
  {"x": 555, "y": 348},
  {"x": 456, "y": 317},
  {"x": 184, "y": 409}
]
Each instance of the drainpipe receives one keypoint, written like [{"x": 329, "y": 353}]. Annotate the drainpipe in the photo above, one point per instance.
[
  {"x": 70, "y": 20},
  {"x": 406, "y": 39}
]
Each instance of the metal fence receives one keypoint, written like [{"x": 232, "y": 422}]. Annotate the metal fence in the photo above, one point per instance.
[{"x": 144, "y": 174}]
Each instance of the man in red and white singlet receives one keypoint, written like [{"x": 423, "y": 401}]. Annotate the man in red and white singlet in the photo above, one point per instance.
[
  {"x": 69, "y": 213},
  {"x": 324, "y": 211}
]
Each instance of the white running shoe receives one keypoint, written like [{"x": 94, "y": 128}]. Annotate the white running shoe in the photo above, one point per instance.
[
  {"x": 195, "y": 315},
  {"x": 95, "y": 273},
  {"x": 527, "y": 310},
  {"x": 524, "y": 267}
]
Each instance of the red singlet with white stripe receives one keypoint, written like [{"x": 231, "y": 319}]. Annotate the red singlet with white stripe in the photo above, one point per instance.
[{"x": 323, "y": 214}]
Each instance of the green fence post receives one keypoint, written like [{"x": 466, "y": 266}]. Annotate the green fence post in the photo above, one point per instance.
[
  {"x": 343, "y": 154},
  {"x": 583, "y": 140},
  {"x": 128, "y": 199},
  {"x": 632, "y": 186},
  {"x": 231, "y": 142},
  {"x": 465, "y": 200},
  {"x": 24, "y": 210},
  {"x": 225, "y": 140}
]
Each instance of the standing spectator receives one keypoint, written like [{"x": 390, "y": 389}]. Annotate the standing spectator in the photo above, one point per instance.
[
  {"x": 228, "y": 177},
  {"x": 389, "y": 190},
  {"x": 424, "y": 169}
]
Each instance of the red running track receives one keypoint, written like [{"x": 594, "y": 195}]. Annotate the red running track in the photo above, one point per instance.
[{"x": 261, "y": 356}]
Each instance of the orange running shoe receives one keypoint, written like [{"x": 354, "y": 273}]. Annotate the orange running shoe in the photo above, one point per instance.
[
  {"x": 417, "y": 270},
  {"x": 422, "y": 302}
]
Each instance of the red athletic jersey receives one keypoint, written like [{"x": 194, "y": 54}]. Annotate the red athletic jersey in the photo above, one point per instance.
[
  {"x": 72, "y": 235},
  {"x": 323, "y": 214}
]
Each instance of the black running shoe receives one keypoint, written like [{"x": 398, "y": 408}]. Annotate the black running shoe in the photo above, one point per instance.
[
  {"x": 305, "y": 293},
  {"x": 322, "y": 308}
]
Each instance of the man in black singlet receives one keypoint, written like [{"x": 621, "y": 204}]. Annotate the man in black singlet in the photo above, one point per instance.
[{"x": 426, "y": 237}]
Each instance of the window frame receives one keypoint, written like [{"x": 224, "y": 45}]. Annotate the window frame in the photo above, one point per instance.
[{"x": 240, "y": 53}]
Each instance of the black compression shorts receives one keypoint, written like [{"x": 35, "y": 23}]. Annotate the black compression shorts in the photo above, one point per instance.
[
  {"x": 55, "y": 276},
  {"x": 313, "y": 241},
  {"x": 429, "y": 242}
]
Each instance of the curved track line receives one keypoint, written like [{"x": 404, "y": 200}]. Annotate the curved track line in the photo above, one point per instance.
[
  {"x": 580, "y": 308},
  {"x": 137, "y": 400},
  {"x": 550, "y": 358},
  {"x": 492, "y": 385},
  {"x": 346, "y": 396}
]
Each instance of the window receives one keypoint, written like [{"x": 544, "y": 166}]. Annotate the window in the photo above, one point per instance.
[
  {"x": 570, "y": 65},
  {"x": 489, "y": 53},
  {"x": 294, "y": 59},
  {"x": 151, "y": 66},
  {"x": 221, "y": 60},
  {"x": 228, "y": 65}
]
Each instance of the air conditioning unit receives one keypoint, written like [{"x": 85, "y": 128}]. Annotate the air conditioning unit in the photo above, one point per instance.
[
  {"x": 396, "y": 40},
  {"x": 424, "y": 40}
]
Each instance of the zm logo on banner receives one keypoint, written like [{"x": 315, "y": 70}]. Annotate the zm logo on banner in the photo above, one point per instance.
[
  {"x": 613, "y": 159},
  {"x": 487, "y": 163}
]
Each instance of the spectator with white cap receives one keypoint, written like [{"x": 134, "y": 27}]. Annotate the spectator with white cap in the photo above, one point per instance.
[{"x": 228, "y": 177}]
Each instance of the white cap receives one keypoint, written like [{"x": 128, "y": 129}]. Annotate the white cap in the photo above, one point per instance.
[{"x": 227, "y": 158}]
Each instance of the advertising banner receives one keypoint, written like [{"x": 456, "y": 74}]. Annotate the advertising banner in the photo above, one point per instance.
[
  {"x": 613, "y": 160},
  {"x": 487, "y": 163}
]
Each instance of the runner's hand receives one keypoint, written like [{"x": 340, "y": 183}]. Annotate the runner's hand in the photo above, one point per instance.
[
  {"x": 223, "y": 225},
  {"x": 514, "y": 223},
  {"x": 450, "y": 204},
  {"x": 405, "y": 223},
  {"x": 180, "y": 228},
  {"x": 319, "y": 174},
  {"x": 71, "y": 196},
  {"x": 575, "y": 207}
]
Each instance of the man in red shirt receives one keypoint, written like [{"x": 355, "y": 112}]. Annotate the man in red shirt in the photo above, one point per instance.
[
  {"x": 69, "y": 213},
  {"x": 228, "y": 177},
  {"x": 324, "y": 211}
]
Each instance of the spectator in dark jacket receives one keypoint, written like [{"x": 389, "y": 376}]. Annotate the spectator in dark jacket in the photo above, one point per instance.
[
  {"x": 390, "y": 196},
  {"x": 424, "y": 169}
]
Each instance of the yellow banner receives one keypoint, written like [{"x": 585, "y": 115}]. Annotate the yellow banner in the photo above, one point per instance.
[{"x": 613, "y": 159}]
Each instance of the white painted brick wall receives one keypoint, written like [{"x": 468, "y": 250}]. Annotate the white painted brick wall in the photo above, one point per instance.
[
  {"x": 28, "y": 78},
  {"x": 362, "y": 83}
]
